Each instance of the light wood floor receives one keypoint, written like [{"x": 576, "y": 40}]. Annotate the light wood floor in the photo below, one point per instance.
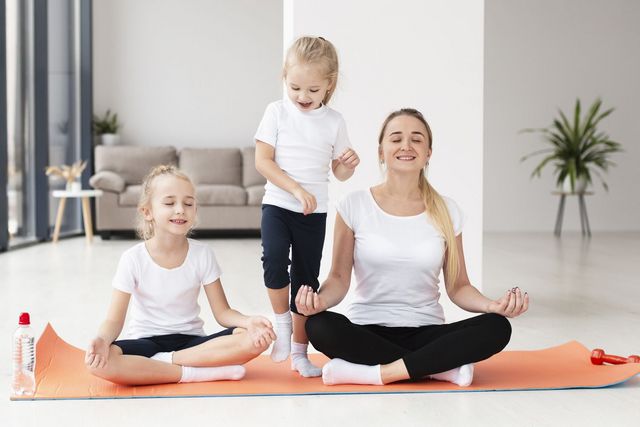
[{"x": 585, "y": 290}]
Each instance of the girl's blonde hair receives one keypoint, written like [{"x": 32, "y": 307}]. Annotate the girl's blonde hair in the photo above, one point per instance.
[
  {"x": 316, "y": 51},
  {"x": 435, "y": 205},
  {"x": 144, "y": 228}
]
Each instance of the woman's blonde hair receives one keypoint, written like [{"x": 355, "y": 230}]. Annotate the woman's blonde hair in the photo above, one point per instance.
[
  {"x": 317, "y": 51},
  {"x": 144, "y": 228},
  {"x": 435, "y": 205}
]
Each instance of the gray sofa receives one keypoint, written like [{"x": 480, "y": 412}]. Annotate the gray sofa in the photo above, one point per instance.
[{"x": 229, "y": 189}]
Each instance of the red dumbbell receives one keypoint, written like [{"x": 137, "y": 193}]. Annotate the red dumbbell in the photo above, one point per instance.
[{"x": 598, "y": 357}]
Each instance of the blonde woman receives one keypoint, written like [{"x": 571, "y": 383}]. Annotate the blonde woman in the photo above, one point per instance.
[{"x": 397, "y": 237}]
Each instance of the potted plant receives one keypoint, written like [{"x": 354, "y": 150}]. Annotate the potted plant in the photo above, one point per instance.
[
  {"x": 106, "y": 127},
  {"x": 577, "y": 148}
]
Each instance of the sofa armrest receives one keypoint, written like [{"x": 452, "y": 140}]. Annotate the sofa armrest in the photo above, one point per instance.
[{"x": 107, "y": 180}]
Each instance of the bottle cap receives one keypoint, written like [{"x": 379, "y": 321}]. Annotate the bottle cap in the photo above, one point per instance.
[{"x": 24, "y": 319}]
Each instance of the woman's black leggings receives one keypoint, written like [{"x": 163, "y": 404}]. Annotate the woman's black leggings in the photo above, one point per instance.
[{"x": 425, "y": 350}]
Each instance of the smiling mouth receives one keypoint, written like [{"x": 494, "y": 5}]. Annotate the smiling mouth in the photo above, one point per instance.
[
  {"x": 305, "y": 104},
  {"x": 405, "y": 158},
  {"x": 178, "y": 221}
]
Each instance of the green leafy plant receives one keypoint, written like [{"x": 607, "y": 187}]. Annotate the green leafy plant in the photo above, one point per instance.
[
  {"x": 106, "y": 124},
  {"x": 578, "y": 149}
]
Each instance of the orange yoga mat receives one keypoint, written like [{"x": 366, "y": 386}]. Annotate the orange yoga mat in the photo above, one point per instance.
[{"x": 61, "y": 374}]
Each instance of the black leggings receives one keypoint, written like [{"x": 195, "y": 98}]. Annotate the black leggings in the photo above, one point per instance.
[
  {"x": 282, "y": 230},
  {"x": 425, "y": 350}
]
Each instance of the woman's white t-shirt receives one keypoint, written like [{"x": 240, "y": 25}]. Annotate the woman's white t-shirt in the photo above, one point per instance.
[
  {"x": 165, "y": 301},
  {"x": 397, "y": 262},
  {"x": 305, "y": 143}
]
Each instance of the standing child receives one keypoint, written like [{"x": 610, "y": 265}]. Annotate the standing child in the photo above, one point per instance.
[
  {"x": 164, "y": 274},
  {"x": 297, "y": 140}
]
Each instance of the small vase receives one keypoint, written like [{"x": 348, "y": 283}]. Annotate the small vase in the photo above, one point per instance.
[{"x": 74, "y": 186}]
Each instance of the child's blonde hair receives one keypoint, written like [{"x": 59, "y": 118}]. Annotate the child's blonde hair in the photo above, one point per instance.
[
  {"x": 435, "y": 205},
  {"x": 144, "y": 228},
  {"x": 316, "y": 51}
]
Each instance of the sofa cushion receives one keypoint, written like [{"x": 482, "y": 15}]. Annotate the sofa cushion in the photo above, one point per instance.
[
  {"x": 220, "y": 166},
  {"x": 107, "y": 180},
  {"x": 133, "y": 162},
  {"x": 130, "y": 196},
  {"x": 221, "y": 195},
  {"x": 250, "y": 175},
  {"x": 255, "y": 193}
]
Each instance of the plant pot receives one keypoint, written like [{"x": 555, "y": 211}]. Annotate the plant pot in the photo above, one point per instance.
[
  {"x": 580, "y": 185},
  {"x": 110, "y": 138},
  {"x": 73, "y": 186}
]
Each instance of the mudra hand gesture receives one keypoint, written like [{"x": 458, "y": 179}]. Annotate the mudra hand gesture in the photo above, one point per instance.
[
  {"x": 512, "y": 304},
  {"x": 308, "y": 302}
]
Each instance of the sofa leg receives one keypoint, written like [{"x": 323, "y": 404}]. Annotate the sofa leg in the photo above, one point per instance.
[{"x": 105, "y": 235}]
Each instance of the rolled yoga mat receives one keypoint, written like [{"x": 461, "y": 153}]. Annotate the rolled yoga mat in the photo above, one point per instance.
[{"x": 61, "y": 374}]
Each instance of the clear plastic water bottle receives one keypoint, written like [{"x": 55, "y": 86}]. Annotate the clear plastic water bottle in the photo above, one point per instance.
[{"x": 24, "y": 358}]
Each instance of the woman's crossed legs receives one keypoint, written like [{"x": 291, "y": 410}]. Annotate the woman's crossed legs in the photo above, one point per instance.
[{"x": 405, "y": 352}]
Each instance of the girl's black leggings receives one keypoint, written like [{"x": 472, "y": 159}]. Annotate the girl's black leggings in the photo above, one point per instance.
[{"x": 425, "y": 350}]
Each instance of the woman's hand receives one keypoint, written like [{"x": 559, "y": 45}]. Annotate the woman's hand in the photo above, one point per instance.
[
  {"x": 306, "y": 199},
  {"x": 309, "y": 302},
  {"x": 261, "y": 331},
  {"x": 97, "y": 353},
  {"x": 349, "y": 158},
  {"x": 512, "y": 304}
]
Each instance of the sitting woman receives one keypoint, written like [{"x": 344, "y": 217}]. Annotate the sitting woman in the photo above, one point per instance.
[{"x": 398, "y": 236}]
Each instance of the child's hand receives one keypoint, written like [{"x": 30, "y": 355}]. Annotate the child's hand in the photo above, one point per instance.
[
  {"x": 307, "y": 200},
  {"x": 308, "y": 302},
  {"x": 97, "y": 353},
  {"x": 512, "y": 304},
  {"x": 349, "y": 158},
  {"x": 261, "y": 331}
]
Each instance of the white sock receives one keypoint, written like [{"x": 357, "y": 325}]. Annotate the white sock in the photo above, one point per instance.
[
  {"x": 282, "y": 345},
  {"x": 192, "y": 374},
  {"x": 462, "y": 376},
  {"x": 166, "y": 356},
  {"x": 301, "y": 363},
  {"x": 339, "y": 371}
]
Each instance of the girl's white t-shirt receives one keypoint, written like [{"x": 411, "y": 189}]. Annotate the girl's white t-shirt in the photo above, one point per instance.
[
  {"x": 305, "y": 144},
  {"x": 165, "y": 301},
  {"x": 397, "y": 262}
]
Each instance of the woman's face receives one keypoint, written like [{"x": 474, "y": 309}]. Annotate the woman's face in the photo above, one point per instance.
[{"x": 405, "y": 145}]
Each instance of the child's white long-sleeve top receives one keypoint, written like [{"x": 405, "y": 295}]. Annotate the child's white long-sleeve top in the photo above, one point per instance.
[
  {"x": 305, "y": 144},
  {"x": 165, "y": 301}
]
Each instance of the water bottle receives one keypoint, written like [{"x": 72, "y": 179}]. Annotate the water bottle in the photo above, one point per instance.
[{"x": 24, "y": 358}]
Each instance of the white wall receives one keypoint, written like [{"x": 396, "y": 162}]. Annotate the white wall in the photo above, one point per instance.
[
  {"x": 195, "y": 73},
  {"x": 540, "y": 56},
  {"x": 408, "y": 53}
]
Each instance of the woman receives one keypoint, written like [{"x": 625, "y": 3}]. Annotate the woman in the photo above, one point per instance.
[{"x": 398, "y": 236}]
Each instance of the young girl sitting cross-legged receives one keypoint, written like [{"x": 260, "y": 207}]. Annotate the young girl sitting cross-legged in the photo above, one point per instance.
[{"x": 162, "y": 277}]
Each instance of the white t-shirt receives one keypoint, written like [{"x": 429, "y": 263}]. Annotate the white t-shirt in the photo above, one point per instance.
[
  {"x": 305, "y": 143},
  {"x": 397, "y": 261},
  {"x": 165, "y": 301}
]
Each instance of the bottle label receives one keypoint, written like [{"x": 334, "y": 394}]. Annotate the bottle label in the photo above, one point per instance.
[{"x": 28, "y": 359}]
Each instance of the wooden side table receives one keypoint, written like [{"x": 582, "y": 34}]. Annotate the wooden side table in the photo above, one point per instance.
[
  {"x": 63, "y": 195},
  {"x": 584, "y": 219}
]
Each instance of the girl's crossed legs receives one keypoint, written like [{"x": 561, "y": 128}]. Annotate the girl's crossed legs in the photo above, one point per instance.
[{"x": 187, "y": 358}]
